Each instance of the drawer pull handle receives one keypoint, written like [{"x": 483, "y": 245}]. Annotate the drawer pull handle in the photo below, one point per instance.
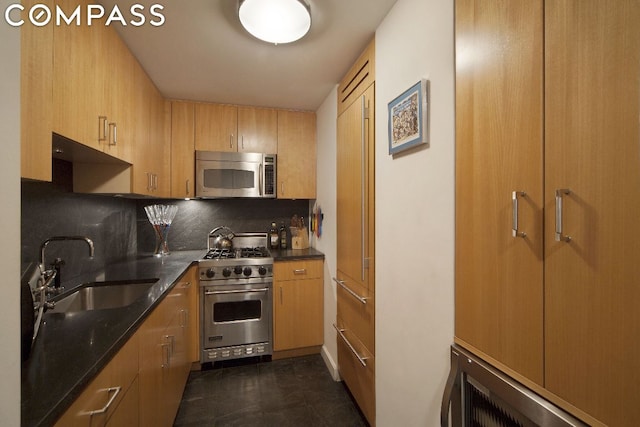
[
  {"x": 239, "y": 291},
  {"x": 115, "y": 391},
  {"x": 300, "y": 271},
  {"x": 362, "y": 360},
  {"x": 363, "y": 300}
]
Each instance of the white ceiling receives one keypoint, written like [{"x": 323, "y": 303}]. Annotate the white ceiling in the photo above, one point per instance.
[{"x": 202, "y": 53}]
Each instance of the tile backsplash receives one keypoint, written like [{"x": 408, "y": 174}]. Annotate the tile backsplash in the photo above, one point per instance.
[{"x": 119, "y": 226}]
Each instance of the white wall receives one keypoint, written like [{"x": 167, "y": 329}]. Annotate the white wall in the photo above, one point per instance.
[
  {"x": 326, "y": 117},
  {"x": 414, "y": 219},
  {"x": 10, "y": 222}
]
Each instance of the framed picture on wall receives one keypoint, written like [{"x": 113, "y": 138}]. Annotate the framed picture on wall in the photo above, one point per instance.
[{"x": 409, "y": 118}]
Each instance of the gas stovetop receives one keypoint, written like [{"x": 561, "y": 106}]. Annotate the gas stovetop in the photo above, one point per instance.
[
  {"x": 249, "y": 258},
  {"x": 218, "y": 254}
]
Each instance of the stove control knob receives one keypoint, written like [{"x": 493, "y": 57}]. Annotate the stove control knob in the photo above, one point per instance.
[
  {"x": 247, "y": 271},
  {"x": 237, "y": 270},
  {"x": 262, "y": 270},
  {"x": 226, "y": 272},
  {"x": 210, "y": 273}
]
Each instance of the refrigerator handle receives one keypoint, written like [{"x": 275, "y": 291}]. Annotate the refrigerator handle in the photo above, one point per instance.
[{"x": 450, "y": 386}]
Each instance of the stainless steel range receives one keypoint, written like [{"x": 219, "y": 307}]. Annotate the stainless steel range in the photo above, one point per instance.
[{"x": 236, "y": 293}]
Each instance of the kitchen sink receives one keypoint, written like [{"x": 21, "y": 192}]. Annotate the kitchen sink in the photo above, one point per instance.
[{"x": 102, "y": 295}]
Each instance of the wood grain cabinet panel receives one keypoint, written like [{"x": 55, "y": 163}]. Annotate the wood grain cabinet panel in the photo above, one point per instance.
[
  {"x": 547, "y": 106},
  {"x": 36, "y": 95},
  {"x": 499, "y": 127},
  {"x": 110, "y": 393},
  {"x": 182, "y": 149},
  {"x": 591, "y": 148},
  {"x": 216, "y": 127},
  {"x": 296, "y": 155},
  {"x": 257, "y": 130},
  {"x": 298, "y": 304},
  {"x": 355, "y": 275},
  {"x": 164, "y": 356}
]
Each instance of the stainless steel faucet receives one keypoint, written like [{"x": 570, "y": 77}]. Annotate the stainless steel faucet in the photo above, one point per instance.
[{"x": 65, "y": 238}]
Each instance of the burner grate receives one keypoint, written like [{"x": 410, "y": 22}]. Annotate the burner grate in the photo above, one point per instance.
[
  {"x": 259, "y": 252},
  {"x": 220, "y": 254}
]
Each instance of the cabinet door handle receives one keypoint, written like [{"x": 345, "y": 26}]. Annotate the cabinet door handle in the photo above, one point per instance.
[
  {"x": 113, "y": 134},
  {"x": 103, "y": 128},
  {"x": 242, "y": 139},
  {"x": 115, "y": 391},
  {"x": 184, "y": 318},
  {"x": 363, "y": 300},
  {"x": 361, "y": 359},
  {"x": 362, "y": 183},
  {"x": 300, "y": 271},
  {"x": 187, "y": 187},
  {"x": 281, "y": 301},
  {"x": 282, "y": 188},
  {"x": 560, "y": 237},
  {"x": 166, "y": 363},
  {"x": 514, "y": 206}
]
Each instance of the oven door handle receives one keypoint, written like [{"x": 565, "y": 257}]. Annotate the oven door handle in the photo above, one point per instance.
[{"x": 238, "y": 291}]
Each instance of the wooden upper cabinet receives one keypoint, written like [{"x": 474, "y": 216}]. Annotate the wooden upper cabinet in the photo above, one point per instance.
[
  {"x": 220, "y": 127},
  {"x": 79, "y": 77},
  {"x": 296, "y": 155},
  {"x": 119, "y": 98},
  {"x": 182, "y": 149},
  {"x": 257, "y": 130},
  {"x": 216, "y": 127},
  {"x": 591, "y": 149},
  {"x": 92, "y": 86},
  {"x": 36, "y": 95},
  {"x": 499, "y": 127}
]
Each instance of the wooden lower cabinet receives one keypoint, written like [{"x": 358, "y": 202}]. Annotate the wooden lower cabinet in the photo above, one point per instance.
[
  {"x": 357, "y": 369},
  {"x": 111, "y": 396},
  {"x": 298, "y": 307},
  {"x": 164, "y": 361},
  {"x": 355, "y": 315}
]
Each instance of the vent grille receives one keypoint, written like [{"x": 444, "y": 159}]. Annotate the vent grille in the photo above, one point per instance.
[
  {"x": 489, "y": 411},
  {"x": 269, "y": 180}
]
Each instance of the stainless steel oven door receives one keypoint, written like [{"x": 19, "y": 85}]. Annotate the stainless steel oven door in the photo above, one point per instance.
[{"x": 236, "y": 315}]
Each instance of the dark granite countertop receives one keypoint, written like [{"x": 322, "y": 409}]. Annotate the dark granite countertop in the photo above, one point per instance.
[
  {"x": 295, "y": 254},
  {"x": 71, "y": 348}
]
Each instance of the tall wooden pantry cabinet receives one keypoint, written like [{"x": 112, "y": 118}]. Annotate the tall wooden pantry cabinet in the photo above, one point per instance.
[
  {"x": 548, "y": 196},
  {"x": 355, "y": 276}
]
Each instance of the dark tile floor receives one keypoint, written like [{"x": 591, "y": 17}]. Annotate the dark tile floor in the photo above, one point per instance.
[{"x": 288, "y": 392}]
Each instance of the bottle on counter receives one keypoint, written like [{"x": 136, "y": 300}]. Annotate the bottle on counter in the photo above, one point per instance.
[
  {"x": 283, "y": 236},
  {"x": 274, "y": 237}
]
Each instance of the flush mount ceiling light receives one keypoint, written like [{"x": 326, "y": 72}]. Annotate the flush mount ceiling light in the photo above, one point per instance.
[{"x": 275, "y": 21}]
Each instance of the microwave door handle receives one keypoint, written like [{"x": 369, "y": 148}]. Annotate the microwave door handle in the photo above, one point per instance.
[{"x": 260, "y": 179}]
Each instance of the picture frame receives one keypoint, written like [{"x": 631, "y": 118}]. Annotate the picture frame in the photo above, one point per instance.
[{"x": 409, "y": 118}]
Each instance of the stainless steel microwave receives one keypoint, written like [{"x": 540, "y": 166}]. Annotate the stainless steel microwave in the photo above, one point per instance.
[{"x": 228, "y": 174}]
